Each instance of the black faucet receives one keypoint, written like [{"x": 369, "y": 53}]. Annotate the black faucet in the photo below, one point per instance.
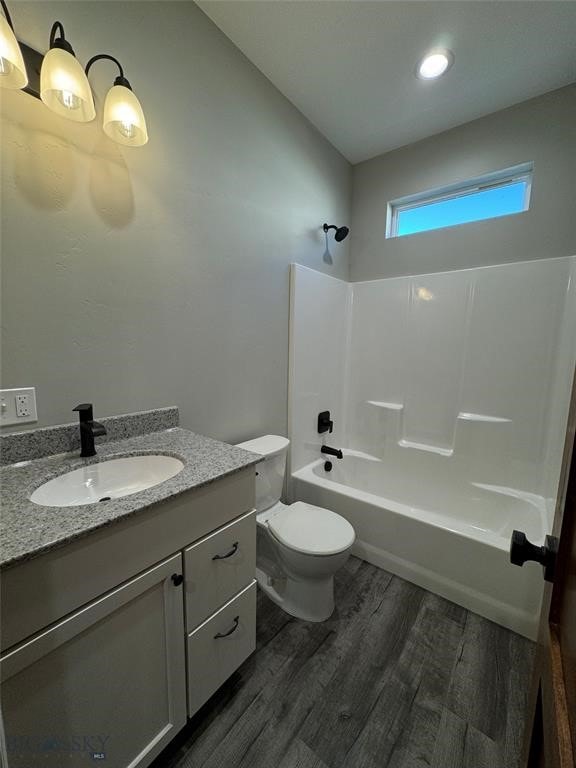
[
  {"x": 89, "y": 429},
  {"x": 331, "y": 451}
]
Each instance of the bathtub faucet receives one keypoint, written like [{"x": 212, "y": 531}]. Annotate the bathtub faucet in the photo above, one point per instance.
[{"x": 331, "y": 451}]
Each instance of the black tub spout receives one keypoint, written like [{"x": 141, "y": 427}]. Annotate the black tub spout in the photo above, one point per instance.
[{"x": 331, "y": 451}]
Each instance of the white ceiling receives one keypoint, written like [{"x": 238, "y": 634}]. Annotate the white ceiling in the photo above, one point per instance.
[{"x": 348, "y": 65}]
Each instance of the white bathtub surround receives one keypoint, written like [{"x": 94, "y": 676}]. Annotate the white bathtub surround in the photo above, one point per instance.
[
  {"x": 450, "y": 393},
  {"x": 319, "y": 325}
]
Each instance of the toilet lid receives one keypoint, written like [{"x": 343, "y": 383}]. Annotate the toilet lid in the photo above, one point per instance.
[{"x": 312, "y": 530}]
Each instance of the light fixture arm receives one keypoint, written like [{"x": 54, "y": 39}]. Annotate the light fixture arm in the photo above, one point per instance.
[
  {"x": 7, "y": 14},
  {"x": 120, "y": 80},
  {"x": 57, "y": 27},
  {"x": 60, "y": 41}
]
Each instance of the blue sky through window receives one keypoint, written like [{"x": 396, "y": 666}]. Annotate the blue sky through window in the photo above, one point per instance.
[{"x": 476, "y": 206}]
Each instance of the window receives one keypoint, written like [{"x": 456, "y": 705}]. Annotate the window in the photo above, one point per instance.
[{"x": 496, "y": 194}]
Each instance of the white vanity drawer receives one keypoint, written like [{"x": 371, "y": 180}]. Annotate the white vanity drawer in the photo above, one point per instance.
[
  {"x": 219, "y": 646},
  {"x": 218, "y": 567}
]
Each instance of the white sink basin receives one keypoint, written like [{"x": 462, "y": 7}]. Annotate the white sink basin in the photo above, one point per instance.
[{"x": 106, "y": 480}]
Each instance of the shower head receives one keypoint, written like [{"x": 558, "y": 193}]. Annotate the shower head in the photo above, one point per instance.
[{"x": 341, "y": 232}]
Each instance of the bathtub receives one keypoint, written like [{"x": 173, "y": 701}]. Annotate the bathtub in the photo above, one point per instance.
[{"x": 446, "y": 534}]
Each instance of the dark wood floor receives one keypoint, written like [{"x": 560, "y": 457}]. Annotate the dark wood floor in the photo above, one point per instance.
[{"x": 397, "y": 678}]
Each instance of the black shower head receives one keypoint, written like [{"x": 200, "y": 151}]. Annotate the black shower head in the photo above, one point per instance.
[{"x": 341, "y": 232}]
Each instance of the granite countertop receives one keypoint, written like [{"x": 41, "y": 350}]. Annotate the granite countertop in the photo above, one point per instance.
[{"x": 28, "y": 529}]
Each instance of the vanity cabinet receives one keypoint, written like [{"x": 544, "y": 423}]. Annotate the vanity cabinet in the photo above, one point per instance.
[{"x": 119, "y": 636}]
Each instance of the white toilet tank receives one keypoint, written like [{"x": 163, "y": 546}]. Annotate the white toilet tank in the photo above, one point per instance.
[{"x": 270, "y": 471}]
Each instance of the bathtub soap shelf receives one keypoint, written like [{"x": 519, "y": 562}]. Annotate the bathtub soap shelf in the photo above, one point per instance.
[
  {"x": 386, "y": 406},
  {"x": 426, "y": 447},
  {"x": 447, "y": 450},
  {"x": 483, "y": 417}
]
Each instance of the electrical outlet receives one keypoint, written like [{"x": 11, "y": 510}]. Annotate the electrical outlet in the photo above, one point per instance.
[
  {"x": 17, "y": 406},
  {"x": 22, "y": 405}
]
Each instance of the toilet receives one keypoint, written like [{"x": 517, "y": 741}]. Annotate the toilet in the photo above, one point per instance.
[{"x": 299, "y": 546}]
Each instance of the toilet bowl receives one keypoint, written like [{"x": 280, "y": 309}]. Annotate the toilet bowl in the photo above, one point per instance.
[{"x": 299, "y": 546}]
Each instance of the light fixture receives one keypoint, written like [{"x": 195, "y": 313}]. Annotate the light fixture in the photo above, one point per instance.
[
  {"x": 436, "y": 63},
  {"x": 58, "y": 79},
  {"x": 64, "y": 87},
  {"x": 123, "y": 119},
  {"x": 12, "y": 67}
]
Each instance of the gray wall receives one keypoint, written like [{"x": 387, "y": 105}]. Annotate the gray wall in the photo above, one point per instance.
[
  {"x": 540, "y": 130},
  {"x": 137, "y": 278}
]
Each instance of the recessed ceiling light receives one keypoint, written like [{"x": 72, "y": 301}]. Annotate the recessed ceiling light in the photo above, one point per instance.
[{"x": 435, "y": 63}]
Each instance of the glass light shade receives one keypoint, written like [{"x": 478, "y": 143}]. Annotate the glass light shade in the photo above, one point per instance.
[
  {"x": 124, "y": 120},
  {"x": 64, "y": 87},
  {"x": 12, "y": 67}
]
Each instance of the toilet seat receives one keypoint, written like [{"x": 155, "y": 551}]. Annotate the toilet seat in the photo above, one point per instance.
[{"x": 311, "y": 530}]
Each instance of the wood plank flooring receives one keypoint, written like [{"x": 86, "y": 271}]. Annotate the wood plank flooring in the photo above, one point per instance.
[{"x": 397, "y": 678}]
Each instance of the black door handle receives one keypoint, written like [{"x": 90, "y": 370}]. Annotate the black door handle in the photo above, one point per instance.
[
  {"x": 177, "y": 579},
  {"x": 522, "y": 550},
  {"x": 220, "y": 635}
]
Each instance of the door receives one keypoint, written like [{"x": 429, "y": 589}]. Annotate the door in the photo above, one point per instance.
[
  {"x": 105, "y": 684},
  {"x": 551, "y": 735}
]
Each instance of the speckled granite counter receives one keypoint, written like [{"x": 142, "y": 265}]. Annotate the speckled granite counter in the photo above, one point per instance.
[
  {"x": 28, "y": 529},
  {"x": 62, "y": 438}
]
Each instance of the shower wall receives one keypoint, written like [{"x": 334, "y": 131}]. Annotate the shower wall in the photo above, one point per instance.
[
  {"x": 319, "y": 326},
  {"x": 474, "y": 366}
]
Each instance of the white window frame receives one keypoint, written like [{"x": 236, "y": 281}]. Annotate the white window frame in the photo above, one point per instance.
[{"x": 523, "y": 172}]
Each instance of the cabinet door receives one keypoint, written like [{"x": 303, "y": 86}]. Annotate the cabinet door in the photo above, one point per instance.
[{"x": 107, "y": 683}]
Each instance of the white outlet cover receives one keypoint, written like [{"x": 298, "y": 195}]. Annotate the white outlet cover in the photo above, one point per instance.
[
  {"x": 22, "y": 405},
  {"x": 17, "y": 401}
]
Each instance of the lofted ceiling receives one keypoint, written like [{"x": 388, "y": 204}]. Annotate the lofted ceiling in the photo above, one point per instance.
[{"x": 348, "y": 65}]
